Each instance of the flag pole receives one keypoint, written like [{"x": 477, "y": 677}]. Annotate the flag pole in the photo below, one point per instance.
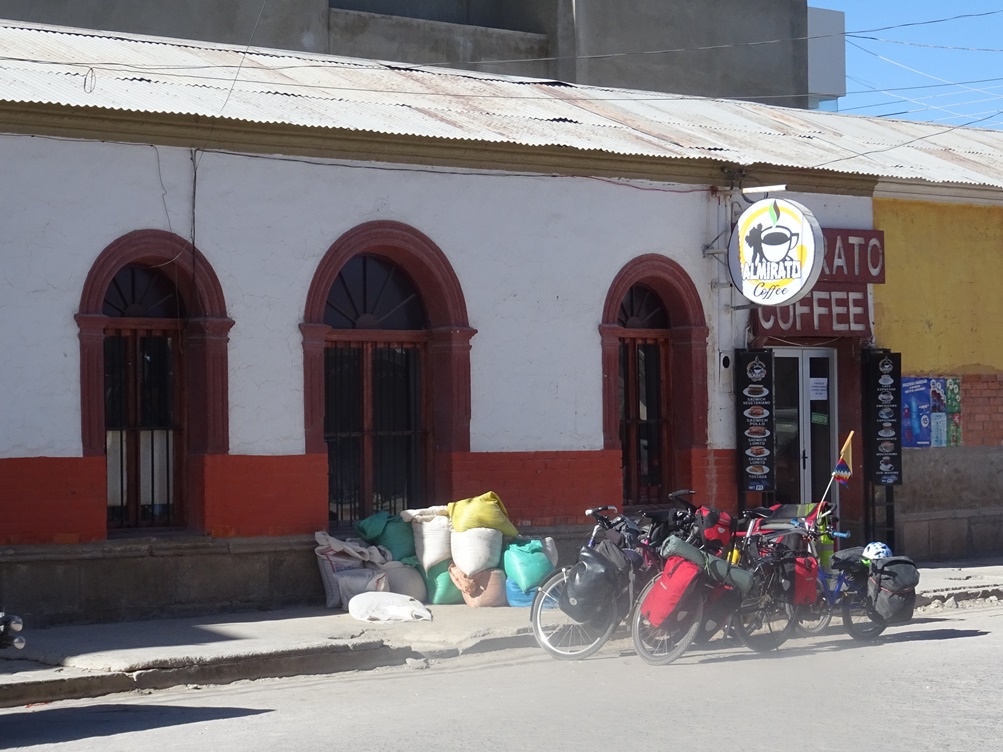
[{"x": 842, "y": 454}]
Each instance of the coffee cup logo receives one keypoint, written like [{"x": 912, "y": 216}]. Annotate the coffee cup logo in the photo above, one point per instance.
[
  {"x": 776, "y": 251},
  {"x": 756, "y": 371}
]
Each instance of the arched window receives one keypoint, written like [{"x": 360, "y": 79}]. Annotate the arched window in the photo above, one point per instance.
[
  {"x": 375, "y": 416},
  {"x": 386, "y": 350},
  {"x": 143, "y": 398},
  {"x": 645, "y": 438},
  {"x": 654, "y": 361},
  {"x": 153, "y": 376}
]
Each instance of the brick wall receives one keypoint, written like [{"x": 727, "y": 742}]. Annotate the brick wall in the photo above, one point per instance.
[
  {"x": 982, "y": 410},
  {"x": 714, "y": 478}
]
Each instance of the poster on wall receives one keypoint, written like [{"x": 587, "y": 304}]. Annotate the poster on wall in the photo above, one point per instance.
[
  {"x": 915, "y": 411},
  {"x": 883, "y": 439},
  {"x": 754, "y": 420},
  {"x": 931, "y": 411}
]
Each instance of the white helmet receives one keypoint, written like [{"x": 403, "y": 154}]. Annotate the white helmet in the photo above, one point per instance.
[{"x": 876, "y": 550}]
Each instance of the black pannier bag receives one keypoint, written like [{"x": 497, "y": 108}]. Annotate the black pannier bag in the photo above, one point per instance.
[
  {"x": 593, "y": 581},
  {"x": 891, "y": 588},
  {"x": 851, "y": 561}
]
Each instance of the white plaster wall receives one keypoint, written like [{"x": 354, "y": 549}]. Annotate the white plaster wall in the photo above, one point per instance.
[
  {"x": 535, "y": 257},
  {"x": 61, "y": 203}
]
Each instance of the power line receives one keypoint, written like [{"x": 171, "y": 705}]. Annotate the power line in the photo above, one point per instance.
[
  {"x": 925, "y": 44},
  {"x": 927, "y": 75},
  {"x": 722, "y": 46}
]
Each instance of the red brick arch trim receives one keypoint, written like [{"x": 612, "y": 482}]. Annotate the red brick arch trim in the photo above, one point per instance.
[
  {"x": 449, "y": 334},
  {"x": 206, "y": 337},
  {"x": 688, "y": 343},
  {"x": 409, "y": 249},
  {"x": 188, "y": 268},
  {"x": 668, "y": 279}
]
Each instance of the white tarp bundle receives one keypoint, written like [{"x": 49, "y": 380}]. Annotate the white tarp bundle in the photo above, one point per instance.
[{"x": 384, "y": 607}]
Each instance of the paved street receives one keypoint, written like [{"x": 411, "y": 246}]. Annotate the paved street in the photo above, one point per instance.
[{"x": 929, "y": 685}]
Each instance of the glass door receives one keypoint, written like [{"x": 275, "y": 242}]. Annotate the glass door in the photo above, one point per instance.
[{"x": 806, "y": 444}]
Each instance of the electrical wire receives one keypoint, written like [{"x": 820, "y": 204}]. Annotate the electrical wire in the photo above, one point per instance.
[{"x": 920, "y": 73}]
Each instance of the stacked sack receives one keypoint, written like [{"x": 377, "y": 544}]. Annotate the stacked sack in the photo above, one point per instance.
[
  {"x": 480, "y": 526},
  {"x": 527, "y": 564},
  {"x": 381, "y": 559},
  {"x": 349, "y": 567},
  {"x": 393, "y": 533},
  {"x": 431, "y": 532},
  {"x": 467, "y": 551}
]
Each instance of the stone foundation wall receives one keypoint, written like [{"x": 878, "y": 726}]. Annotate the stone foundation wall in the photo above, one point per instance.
[
  {"x": 147, "y": 578},
  {"x": 951, "y": 504}
]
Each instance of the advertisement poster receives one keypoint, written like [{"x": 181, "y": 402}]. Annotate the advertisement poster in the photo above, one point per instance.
[
  {"x": 915, "y": 411},
  {"x": 953, "y": 412},
  {"x": 931, "y": 411}
]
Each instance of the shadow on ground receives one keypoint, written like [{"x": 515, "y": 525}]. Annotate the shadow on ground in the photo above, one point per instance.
[{"x": 58, "y": 725}]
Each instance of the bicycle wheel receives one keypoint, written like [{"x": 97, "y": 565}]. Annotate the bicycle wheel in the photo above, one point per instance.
[
  {"x": 815, "y": 617},
  {"x": 766, "y": 619},
  {"x": 861, "y": 623},
  {"x": 659, "y": 646},
  {"x": 559, "y": 634}
]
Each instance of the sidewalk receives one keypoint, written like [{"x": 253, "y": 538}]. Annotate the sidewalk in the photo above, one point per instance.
[{"x": 92, "y": 660}]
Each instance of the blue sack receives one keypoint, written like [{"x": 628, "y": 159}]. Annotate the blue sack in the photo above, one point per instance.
[{"x": 516, "y": 596}]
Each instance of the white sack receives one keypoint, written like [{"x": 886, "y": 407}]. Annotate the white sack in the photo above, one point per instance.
[
  {"x": 477, "y": 549},
  {"x": 431, "y": 540},
  {"x": 355, "y": 548},
  {"x": 550, "y": 549},
  {"x": 355, "y": 581},
  {"x": 424, "y": 515},
  {"x": 405, "y": 580}
]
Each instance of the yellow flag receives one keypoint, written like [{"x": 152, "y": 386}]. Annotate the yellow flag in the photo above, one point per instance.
[{"x": 844, "y": 453}]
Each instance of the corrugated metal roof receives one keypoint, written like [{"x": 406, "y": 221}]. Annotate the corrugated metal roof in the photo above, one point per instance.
[{"x": 105, "y": 70}]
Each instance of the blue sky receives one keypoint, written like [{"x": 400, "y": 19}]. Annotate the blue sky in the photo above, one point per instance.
[{"x": 881, "y": 64}]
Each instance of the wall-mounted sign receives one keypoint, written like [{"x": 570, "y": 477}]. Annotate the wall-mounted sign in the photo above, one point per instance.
[
  {"x": 883, "y": 412},
  {"x": 854, "y": 256},
  {"x": 838, "y": 305},
  {"x": 829, "y": 310},
  {"x": 776, "y": 252},
  {"x": 754, "y": 420}
]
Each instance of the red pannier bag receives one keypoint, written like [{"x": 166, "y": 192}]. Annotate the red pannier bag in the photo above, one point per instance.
[
  {"x": 679, "y": 579},
  {"x": 805, "y": 579}
]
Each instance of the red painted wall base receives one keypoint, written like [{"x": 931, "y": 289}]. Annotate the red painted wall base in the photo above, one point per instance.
[
  {"x": 541, "y": 488},
  {"x": 52, "y": 500},
  {"x": 246, "y": 496}
]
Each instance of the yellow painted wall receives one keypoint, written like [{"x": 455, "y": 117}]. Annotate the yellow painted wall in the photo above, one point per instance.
[{"x": 942, "y": 302}]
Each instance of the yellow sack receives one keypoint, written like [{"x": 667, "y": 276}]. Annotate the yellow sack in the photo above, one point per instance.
[{"x": 485, "y": 510}]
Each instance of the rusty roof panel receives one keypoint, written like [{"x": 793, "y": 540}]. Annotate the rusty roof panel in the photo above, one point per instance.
[{"x": 134, "y": 73}]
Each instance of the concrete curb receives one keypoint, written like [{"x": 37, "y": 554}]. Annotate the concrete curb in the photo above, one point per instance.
[{"x": 336, "y": 658}]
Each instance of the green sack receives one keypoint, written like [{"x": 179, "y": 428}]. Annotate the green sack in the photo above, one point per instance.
[
  {"x": 398, "y": 538},
  {"x": 391, "y": 532},
  {"x": 526, "y": 564},
  {"x": 371, "y": 527},
  {"x": 442, "y": 590}
]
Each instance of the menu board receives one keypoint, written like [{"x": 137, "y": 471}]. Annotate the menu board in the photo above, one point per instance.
[
  {"x": 754, "y": 420},
  {"x": 883, "y": 417}
]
